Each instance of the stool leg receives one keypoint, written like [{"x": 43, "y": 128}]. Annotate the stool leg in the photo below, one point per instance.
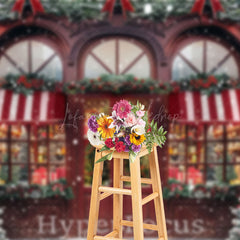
[
  {"x": 95, "y": 198},
  {"x": 158, "y": 202},
  {"x": 136, "y": 199},
  {"x": 117, "y": 198}
]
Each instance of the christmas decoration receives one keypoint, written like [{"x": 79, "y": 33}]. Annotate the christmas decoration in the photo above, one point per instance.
[
  {"x": 126, "y": 130},
  {"x": 234, "y": 233},
  {"x": 198, "y": 6},
  {"x": 109, "y": 6},
  {"x": 79, "y": 10},
  {"x": 35, "y": 5},
  {"x": 118, "y": 84},
  {"x": 56, "y": 189}
]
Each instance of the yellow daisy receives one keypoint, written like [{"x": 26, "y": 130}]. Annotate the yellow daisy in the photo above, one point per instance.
[
  {"x": 104, "y": 129},
  {"x": 137, "y": 139}
]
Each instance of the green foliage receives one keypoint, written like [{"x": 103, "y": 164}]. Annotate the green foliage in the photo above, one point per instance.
[{"x": 106, "y": 157}]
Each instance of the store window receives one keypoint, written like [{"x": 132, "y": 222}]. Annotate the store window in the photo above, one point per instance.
[
  {"x": 30, "y": 56},
  {"x": 118, "y": 56},
  {"x": 204, "y": 154},
  {"x": 204, "y": 56},
  {"x": 32, "y": 155}
]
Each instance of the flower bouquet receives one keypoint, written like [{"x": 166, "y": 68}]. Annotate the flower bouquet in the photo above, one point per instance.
[{"x": 126, "y": 130}]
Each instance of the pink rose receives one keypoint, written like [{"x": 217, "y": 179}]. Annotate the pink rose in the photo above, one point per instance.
[
  {"x": 140, "y": 113},
  {"x": 141, "y": 122},
  {"x": 131, "y": 120}
]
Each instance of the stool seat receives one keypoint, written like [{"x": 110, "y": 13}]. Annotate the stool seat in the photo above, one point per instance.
[{"x": 100, "y": 192}]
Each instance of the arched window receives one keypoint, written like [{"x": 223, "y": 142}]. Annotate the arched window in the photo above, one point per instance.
[
  {"x": 118, "y": 56},
  {"x": 204, "y": 56},
  {"x": 31, "y": 56}
]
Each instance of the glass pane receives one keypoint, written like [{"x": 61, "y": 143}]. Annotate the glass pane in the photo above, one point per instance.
[
  {"x": 215, "y": 132},
  {"x": 39, "y": 174},
  {"x": 19, "y": 152},
  {"x": 233, "y": 174},
  {"x": 194, "y": 53},
  {"x": 57, "y": 172},
  {"x": 3, "y": 174},
  {"x": 215, "y": 152},
  {"x": 42, "y": 153},
  {"x": 177, "y": 131},
  {"x": 19, "y": 132},
  {"x": 141, "y": 68},
  {"x": 3, "y": 152},
  {"x": 93, "y": 69},
  {"x": 195, "y": 175},
  {"x": 57, "y": 153},
  {"x": 6, "y": 67},
  {"x": 177, "y": 172},
  {"x": 181, "y": 70},
  {"x": 196, "y": 153},
  {"x": 233, "y": 152},
  {"x": 40, "y": 53},
  {"x": 128, "y": 51},
  {"x": 215, "y": 53},
  {"x": 20, "y": 174},
  {"x": 53, "y": 69},
  {"x": 195, "y": 132},
  {"x": 176, "y": 152},
  {"x": 214, "y": 174},
  {"x": 3, "y": 131},
  {"x": 230, "y": 68},
  {"x": 56, "y": 132},
  {"x": 106, "y": 51},
  {"x": 233, "y": 131},
  {"x": 19, "y": 53},
  {"x": 42, "y": 132}
]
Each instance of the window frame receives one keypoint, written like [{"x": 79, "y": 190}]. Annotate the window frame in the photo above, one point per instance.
[
  {"x": 186, "y": 41},
  {"x": 9, "y": 141},
  {"x": 40, "y": 39},
  {"x": 142, "y": 45}
]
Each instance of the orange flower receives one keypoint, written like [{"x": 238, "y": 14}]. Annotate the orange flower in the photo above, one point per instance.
[{"x": 104, "y": 129}]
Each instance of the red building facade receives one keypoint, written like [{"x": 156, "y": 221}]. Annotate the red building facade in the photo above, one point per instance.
[{"x": 43, "y": 136}]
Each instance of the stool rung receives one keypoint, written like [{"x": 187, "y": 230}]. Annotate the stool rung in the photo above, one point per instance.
[
  {"x": 145, "y": 225},
  {"x": 112, "y": 234},
  {"x": 105, "y": 195},
  {"x": 143, "y": 180},
  {"x": 106, "y": 238},
  {"x": 115, "y": 190},
  {"x": 149, "y": 198}
]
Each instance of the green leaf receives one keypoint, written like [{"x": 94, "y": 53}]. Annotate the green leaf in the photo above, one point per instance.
[
  {"x": 132, "y": 156},
  {"x": 106, "y": 157},
  {"x": 105, "y": 148}
]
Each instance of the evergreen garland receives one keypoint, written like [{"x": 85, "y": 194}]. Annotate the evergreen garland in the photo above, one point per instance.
[
  {"x": 118, "y": 84},
  {"x": 77, "y": 10}
]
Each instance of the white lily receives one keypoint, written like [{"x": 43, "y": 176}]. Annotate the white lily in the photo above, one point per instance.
[{"x": 138, "y": 129}]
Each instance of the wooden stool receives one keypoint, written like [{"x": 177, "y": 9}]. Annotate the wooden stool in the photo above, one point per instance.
[{"x": 100, "y": 192}]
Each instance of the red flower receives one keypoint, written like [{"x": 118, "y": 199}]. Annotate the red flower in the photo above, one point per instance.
[
  {"x": 120, "y": 147},
  {"x": 109, "y": 143}
]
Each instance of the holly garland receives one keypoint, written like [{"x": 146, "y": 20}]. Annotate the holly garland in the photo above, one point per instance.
[
  {"x": 156, "y": 10},
  {"x": 58, "y": 189},
  {"x": 222, "y": 192},
  {"x": 118, "y": 84}
]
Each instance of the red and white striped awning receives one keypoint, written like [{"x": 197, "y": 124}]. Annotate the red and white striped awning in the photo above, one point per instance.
[
  {"x": 193, "y": 107},
  {"x": 40, "y": 107}
]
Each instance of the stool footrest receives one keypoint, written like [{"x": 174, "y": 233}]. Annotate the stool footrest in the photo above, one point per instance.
[
  {"x": 112, "y": 234},
  {"x": 145, "y": 225},
  {"x": 143, "y": 180},
  {"x": 105, "y": 195},
  {"x": 115, "y": 190},
  {"x": 150, "y": 198},
  {"x": 106, "y": 238}
]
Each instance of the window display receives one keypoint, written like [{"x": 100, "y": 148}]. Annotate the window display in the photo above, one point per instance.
[
  {"x": 209, "y": 154},
  {"x": 31, "y": 154}
]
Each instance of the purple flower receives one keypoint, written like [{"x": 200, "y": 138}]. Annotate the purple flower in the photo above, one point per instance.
[
  {"x": 126, "y": 149},
  {"x": 92, "y": 123},
  {"x": 127, "y": 140},
  {"x": 136, "y": 148}
]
